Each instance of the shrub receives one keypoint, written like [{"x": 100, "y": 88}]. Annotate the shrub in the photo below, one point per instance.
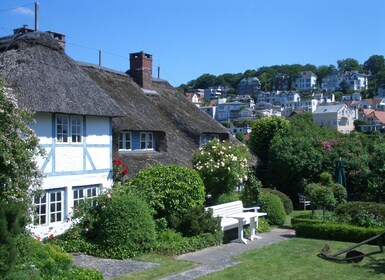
[
  {"x": 38, "y": 260},
  {"x": 366, "y": 214},
  {"x": 227, "y": 197},
  {"x": 168, "y": 189},
  {"x": 273, "y": 206},
  {"x": 320, "y": 195},
  {"x": 174, "y": 244},
  {"x": 340, "y": 193},
  {"x": 333, "y": 231},
  {"x": 124, "y": 225},
  {"x": 287, "y": 203},
  {"x": 197, "y": 221},
  {"x": 251, "y": 189},
  {"x": 263, "y": 225},
  {"x": 222, "y": 166}
]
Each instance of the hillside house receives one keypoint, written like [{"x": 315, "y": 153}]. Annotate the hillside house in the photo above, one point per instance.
[
  {"x": 248, "y": 86},
  {"x": 73, "y": 124},
  {"x": 306, "y": 81},
  {"x": 338, "y": 117},
  {"x": 374, "y": 121},
  {"x": 355, "y": 81}
]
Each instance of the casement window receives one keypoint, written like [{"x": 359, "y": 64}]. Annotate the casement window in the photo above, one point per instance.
[
  {"x": 69, "y": 129},
  {"x": 125, "y": 142},
  {"x": 85, "y": 192},
  {"x": 146, "y": 141},
  {"x": 204, "y": 138},
  {"x": 49, "y": 207}
]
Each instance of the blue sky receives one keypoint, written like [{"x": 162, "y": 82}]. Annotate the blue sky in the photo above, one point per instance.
[{"x": 188, "y": 38}]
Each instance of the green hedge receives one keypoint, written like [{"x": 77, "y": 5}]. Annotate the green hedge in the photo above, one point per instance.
[
  {"x": 317, "y": 229},
  {"x": 287, "y": 203},
  {"x": 365, "y": 214},
  {"x": 273, "y": 206}
]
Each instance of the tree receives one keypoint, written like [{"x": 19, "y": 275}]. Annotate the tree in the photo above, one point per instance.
[
  {"x": 222, "y": 166},
  {"x": 18, "y": 150},
  {"x": 262, "y": 133},
  {"x": 19, "y": 175},
  {"x": 348, "y": 64},
  {"x": 374, "y": 64},
  {"x": 344, "y": 87}
]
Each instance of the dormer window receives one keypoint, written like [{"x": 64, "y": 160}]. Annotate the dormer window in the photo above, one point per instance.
[
  {"x": 204, "y": 138},
  {"x": 125, "y": 142},
  {"x": 146, "y": 141}
]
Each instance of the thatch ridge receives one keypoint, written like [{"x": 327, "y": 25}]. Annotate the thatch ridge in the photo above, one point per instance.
[{"x": 44, "y": 79}]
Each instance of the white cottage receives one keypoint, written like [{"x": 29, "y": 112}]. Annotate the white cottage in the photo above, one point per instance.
[{"x": 73, "y": 124}]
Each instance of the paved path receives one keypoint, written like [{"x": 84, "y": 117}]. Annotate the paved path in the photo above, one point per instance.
[{"x": 218, "y": 258}]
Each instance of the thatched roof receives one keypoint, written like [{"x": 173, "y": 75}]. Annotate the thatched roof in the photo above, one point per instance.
[
  {"x": 44, "y": 79},
  {"x": 176, "y": 122}
]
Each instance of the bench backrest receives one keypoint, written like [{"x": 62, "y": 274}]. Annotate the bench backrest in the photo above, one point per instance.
[{"x": 226, "y": 209}]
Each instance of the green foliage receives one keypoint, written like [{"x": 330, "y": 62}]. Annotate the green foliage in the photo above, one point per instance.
[
  {"x": 196, "y": 222},
  {"x": 332, "y": 231},
  {"x": 340, "y": 193},
  {"x": 273, "y": 206},
  {"x": 240, "y": 136},
  {"x": 364, "y": 214},
  {"x": 19, "y": 147},
  {"x": 168, "y": 189},
  {"x": 45, "y": 261},
  {"x": 171, "y": 243},
  {"x": 222, "y": 166},
  {"x": 250, "y": 191},
  {"x": 131, "y": 230},
  {"x": 263, "y": 225},
  {"x": 320, "y": 195},
  {"x": 227, "y": 197},
  {"x": 262, "y": 133},
  {"x": 287, "y": 203},
  {"x": 12, "y": 222}
]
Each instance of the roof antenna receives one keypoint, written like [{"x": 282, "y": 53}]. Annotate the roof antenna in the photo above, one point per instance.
[{"x": 36, "y": 15}]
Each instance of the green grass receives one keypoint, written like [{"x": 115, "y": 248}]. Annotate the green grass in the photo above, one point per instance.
[
  {"x": 297, "y": 259},
  {"x": 167, "y": 266}
]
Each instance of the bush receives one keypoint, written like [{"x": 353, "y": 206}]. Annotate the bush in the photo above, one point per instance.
[
  {"x": 287, "y": 203},
  {"x": 251, "y": 189},
  {"x": 119, "y": 226},
  {"x": 273, "y": 206},
  {"x": 197, "y": 221},
  {"x": 332, "y": 231},
  {"x": 366, "y": 214},
  {"x": 124, "y": 225},
  {"x": 222, "y": 166},
  {"x": 263, "y": 225},
  {"x": 38, "y": 260},
  {"x": 172, "y": 243},
  {"x": 168, "y": 189},
  {"x": 227, "y": 197}
]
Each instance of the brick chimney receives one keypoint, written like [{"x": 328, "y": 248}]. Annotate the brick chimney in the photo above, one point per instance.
[{"x": 141, "y": 69}]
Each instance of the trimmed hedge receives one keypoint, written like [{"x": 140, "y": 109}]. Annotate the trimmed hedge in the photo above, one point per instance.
[
  {"x": 317, "y": 229},
  {"x": 287, "y": 203},
  {"x": 273, "y": 206}
]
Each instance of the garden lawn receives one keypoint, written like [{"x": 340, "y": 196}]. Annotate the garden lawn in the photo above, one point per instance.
[
  {"x": 297, "y": 259},
  {"x": 167, "y": 266}
]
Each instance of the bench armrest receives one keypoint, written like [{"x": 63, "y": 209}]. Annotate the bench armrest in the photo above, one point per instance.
[{"x": 254, "y": 209}]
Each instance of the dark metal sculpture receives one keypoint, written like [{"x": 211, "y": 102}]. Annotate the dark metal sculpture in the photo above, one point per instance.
[{"x": 352, "y": 255}]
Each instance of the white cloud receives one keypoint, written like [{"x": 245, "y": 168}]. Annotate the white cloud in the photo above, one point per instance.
[{"x": 24, "y": 11}]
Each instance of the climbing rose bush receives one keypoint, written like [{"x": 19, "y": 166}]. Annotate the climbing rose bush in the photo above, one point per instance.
[{"x": 222, "y": 166}]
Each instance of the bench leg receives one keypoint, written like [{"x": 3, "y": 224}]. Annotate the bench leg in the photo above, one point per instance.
[
  {"x": 240, "y": 233},
  {"x": 254, "y": 228}
]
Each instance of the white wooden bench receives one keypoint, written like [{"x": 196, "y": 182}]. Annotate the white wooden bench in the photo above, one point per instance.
[
  {"x": 302, "y": 199},
  {"x": 231, "y": 217}
]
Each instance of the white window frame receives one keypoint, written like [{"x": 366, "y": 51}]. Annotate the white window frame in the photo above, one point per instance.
[
  {"x": 81, "y": 193},
  {"x": 50, "y": 207},
  {"x": 147, "y": 141},
  {"x": 123, "y": 140},
  {"x": 62, "y": 128},
  {"x": 76, "y": 126},
  {"x": 69, "y": 129},
  {"x": 204, "y": 138}
]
